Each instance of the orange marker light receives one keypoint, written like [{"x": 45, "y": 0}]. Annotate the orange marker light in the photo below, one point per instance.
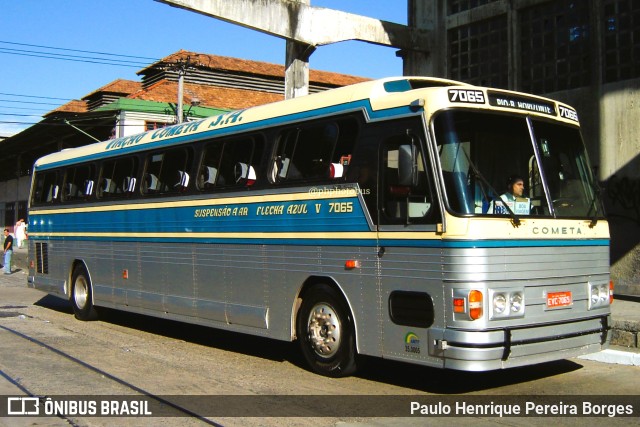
[
  {"x": 351, "y": 264},
  {"x": 458, "y": 305},
  {"x": 475, "y": 305},
  {"x": 611, "y": 292},
  {"x": 125, "y": 274}
]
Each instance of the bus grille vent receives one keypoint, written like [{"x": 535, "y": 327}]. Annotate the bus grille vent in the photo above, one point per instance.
[{"x": 42, "y": 258}]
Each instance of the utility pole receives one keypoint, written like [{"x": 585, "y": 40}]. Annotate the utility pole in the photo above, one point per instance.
[{"x": 181, "y": 66}]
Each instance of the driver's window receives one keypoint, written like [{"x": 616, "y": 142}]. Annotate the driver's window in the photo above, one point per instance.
[{"x": 406, "y": 195}]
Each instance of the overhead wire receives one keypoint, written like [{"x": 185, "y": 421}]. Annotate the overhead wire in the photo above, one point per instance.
[
  {"x": 52, "y": 52},
  {"x": 74, "y": 58},
  {"x": 46, "y": 52},
  {"x": 79, "y": 50},
  {"x": 33, "y": 96}
]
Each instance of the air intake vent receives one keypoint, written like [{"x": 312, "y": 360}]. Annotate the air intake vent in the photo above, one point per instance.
[{"x": 42, "y": 258}]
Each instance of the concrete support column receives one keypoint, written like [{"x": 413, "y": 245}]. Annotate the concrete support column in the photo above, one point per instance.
[
  {"x": 426, "y": 17},
  {"x": 296, "y": 76}
]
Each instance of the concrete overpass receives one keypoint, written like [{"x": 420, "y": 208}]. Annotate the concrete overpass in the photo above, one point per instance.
[{"x": 305, "y": 28}]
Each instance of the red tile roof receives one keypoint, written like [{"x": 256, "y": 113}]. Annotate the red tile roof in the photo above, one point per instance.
[
  {"x": 120, "y": 86},
  {"x": 209, "y": 96},
  {"x": 74, "y": 106},
  {"x": 246, "y": 66}
]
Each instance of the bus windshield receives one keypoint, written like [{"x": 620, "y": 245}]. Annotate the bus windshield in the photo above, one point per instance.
[{"x": 495, "y": 164}]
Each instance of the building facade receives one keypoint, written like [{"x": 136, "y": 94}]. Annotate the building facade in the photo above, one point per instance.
[{"x": 583, "y": 52}]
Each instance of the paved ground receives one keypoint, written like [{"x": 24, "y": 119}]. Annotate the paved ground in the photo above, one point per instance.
[{"x": 86, "y": 356}]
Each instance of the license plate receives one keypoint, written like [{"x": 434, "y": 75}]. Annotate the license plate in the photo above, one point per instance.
[{"x": 559, "y": 299}]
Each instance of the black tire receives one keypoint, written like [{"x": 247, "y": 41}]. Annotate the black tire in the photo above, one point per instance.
[
  {"x": 325, "y": 331},
  {"x": 82, "y": 295}
]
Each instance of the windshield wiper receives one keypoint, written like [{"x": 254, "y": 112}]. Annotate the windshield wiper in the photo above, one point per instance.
[
  {"x": 594, "y": 204},
  {"x": 514, "y": 218}
]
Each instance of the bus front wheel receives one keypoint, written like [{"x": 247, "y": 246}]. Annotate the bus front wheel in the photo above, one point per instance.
[
  {"x": 326, "y": 334},
  {"x": 81, "y": 295}
]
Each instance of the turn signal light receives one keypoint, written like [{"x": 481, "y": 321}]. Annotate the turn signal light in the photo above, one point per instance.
[
  {"x": 458, "y": 305},
  {"x": 475, "y": 305},
  {"x": 351, "y": 264},
  {"x": 611, "y": 292}
]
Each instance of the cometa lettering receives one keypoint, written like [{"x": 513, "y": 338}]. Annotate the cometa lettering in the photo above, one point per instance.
[{"x": 562, "y": 231}]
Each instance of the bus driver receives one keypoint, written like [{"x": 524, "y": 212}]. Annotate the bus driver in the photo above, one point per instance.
[{"x": 514, "y": 196}]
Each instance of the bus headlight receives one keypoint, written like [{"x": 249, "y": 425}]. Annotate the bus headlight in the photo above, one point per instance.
[
  {"x": 506, "y": 303},
  {"x": 499, "y": 303},
  {"x": 595, "y": 295},
  {"x": 517, "y": 302},
  {"x": 604, "y": 294},
  {"x": 600, "y": 295}
]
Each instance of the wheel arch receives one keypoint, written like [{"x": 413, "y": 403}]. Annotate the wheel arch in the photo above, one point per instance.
[
  {"x": 77, "y": 262},
  {"x": 308, "y": 284}
]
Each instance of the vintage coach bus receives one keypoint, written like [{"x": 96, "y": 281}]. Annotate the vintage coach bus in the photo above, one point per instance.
[{"x": 362, "y": 220}]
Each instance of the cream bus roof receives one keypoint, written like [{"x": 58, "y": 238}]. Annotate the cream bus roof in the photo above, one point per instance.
[{"x": 381, "y": 94}]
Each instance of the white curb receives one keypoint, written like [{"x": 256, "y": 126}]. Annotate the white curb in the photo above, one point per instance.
[{"x": 614, "y": 356}]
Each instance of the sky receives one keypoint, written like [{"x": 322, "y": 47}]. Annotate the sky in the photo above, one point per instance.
[{"x": 143, "y": 31}]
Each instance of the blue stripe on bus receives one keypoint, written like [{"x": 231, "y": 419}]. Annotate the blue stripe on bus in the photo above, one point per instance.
[
  {"x": 325, "y": 215},
  {"x": 332, "y": 241},
  {"x": 364, "y": 105},
  {"x": 494, "y": 243}
]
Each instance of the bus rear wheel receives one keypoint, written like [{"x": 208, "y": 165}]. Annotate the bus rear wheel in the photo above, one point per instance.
[
  {"x": 82, "y": 295},
  {"x": 325, "y": 331}
]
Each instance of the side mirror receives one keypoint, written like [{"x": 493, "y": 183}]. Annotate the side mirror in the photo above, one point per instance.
[{"x": 407, "y": 166}]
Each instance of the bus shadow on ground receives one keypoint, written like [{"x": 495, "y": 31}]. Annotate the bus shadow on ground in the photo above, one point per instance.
[
  {"x": 401, "y": 374},
  {"x": 55, "y": 303},
  {"x": 447, "y": 381}
]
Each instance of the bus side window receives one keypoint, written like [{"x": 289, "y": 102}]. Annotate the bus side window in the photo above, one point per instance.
[
  {"x": 208, "y": 176},
  {"x": 406, "y": 193},
  {"x": 78, "y": 183},
  {"x": 304, "y": 154},
  {"x": 46, "y": 188},
  {"x": 167, "y": 172},
  {"x": 230, "y": 163},
  {"x": 282, "y": 168},
  {"x": 118, "y": 178},
  {"x": 317, "y": 152},
  {"x": 241, "y": 159},
  {"x": 151, "y": 183},
  {"x": 345, "y": 145}
]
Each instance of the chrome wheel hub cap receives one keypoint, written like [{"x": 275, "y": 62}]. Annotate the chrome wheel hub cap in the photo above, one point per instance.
[
  {"x": 81, "y": 292},
  {"x": 324, "y": 330}
]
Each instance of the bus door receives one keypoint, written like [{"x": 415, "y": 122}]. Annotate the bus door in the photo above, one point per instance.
[{"x": 410, "y": 272}]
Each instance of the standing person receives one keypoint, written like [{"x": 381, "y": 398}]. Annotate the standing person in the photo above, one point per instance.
[
  {"x": 20, "y": 233},
  {"x": 8, "y": 251}
]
